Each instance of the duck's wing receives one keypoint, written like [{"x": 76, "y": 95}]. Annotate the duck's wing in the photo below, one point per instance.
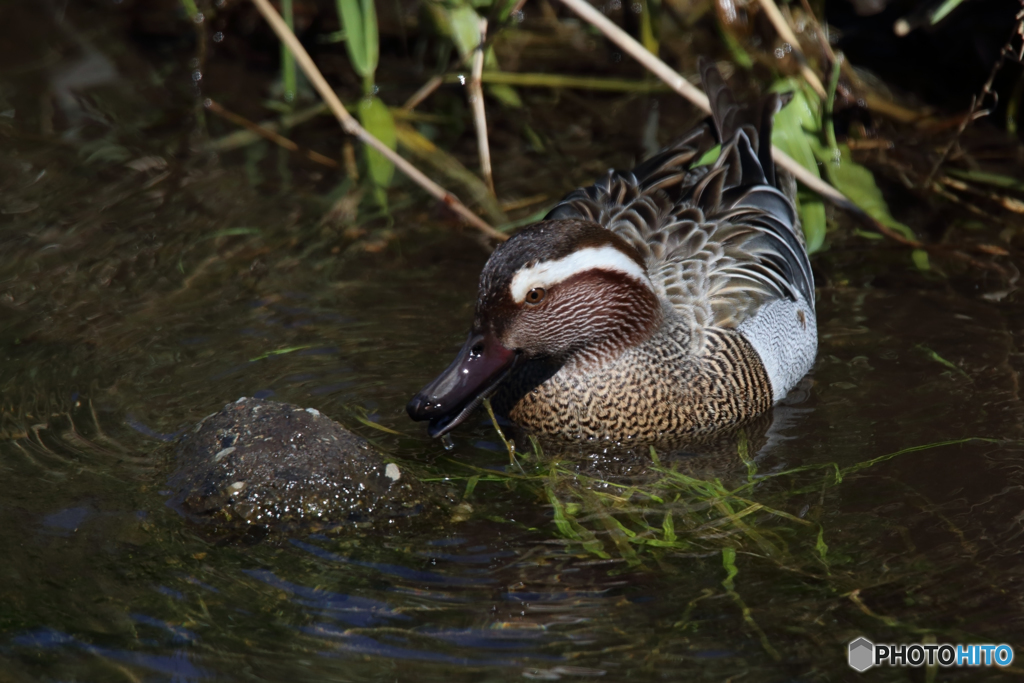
[{"x": 719, "y": 240}]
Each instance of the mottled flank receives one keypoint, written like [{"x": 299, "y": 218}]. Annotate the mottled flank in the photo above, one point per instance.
[{"x": 652, "y": 392}]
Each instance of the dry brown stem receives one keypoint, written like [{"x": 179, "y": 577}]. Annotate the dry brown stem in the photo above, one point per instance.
[
  {"x": 476, "y": 101},
  {"x": 674, "y": 80},
  {"x": 352, "y": 127},
  {"x": 270, "y": 135},
  {"x": 786, "y": 33}
]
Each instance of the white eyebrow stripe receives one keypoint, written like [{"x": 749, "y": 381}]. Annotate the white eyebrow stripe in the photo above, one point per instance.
[{"x": 551, "y": 273}]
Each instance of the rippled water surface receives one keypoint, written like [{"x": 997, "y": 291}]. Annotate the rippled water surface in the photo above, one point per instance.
[{"x": 136, "y": 299}]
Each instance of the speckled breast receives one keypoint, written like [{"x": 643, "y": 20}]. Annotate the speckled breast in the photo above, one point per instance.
[{"x": 653, "y": 392}]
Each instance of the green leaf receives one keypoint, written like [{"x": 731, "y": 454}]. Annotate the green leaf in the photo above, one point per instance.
[
  {"x": 710, "y": 156},
  {"x": 190, "y": 8},
  {"x": 796, "y": 132},
  {"x": 462, "y": 25},
  {"x": 505, "y": 9},
  {"x": 470, "y": 485},
  {"x": 920, "y": 258},
  {"x": 812, "y": 218},
  {"x": 464, "y": 29},
  {"x": 378, "y": 121},
  {"x": 502, "y": 92},
  {"x": 505, "y": 94},
  {"x": 736, "y": 49},
  {"x": 858, "y": 183},
  {"x": 359, "y": 21}
]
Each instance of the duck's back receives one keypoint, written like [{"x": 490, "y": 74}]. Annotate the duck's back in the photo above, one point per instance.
[{"x": 722, "y": 243}]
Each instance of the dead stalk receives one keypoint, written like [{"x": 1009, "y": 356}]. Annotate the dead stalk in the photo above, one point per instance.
[
  {"x": 425, "y": 91},
  {"x": 979, "y": 99},
  {"x": 352, "y": 127},
  {"x": 276, "y": 138},
  {"x": 476, "y": 101},
  {"x": 595, "y": 18},
  {"x": 675, "y": 81},
  {"x": 786, "y": 33}
]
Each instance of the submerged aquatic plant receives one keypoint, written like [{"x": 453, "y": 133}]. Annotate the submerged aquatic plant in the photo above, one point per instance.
[{"x": 672, "y": 507}]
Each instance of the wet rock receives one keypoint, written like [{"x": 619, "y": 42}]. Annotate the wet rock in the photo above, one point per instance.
[{"x": 265, "y": 464}]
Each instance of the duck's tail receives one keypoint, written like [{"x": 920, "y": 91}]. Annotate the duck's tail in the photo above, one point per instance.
[{"x": 731, "y": 116}]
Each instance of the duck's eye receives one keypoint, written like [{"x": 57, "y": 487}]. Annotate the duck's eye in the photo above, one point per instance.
[{"x": 535, "y": 295}]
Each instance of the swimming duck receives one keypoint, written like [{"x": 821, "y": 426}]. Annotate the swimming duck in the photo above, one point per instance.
[{"x": 667, "y": 302}]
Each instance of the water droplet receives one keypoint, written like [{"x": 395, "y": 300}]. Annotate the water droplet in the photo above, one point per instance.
[
  {"x": 218, "y": 36},
  {"x": 448, "y": 442},
  {"x": 198, "y": 18}
]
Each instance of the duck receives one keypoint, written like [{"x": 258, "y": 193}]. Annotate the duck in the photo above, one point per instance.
[{"x": 671, "y": 301}]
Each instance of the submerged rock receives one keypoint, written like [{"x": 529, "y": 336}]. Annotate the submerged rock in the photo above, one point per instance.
[{"x": 268, "y": 464}]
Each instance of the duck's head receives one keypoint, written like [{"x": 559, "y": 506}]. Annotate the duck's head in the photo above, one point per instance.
[{"x": 564, "y": 290}]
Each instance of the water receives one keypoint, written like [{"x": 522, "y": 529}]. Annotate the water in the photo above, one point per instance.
[{"x": 135, "y": 303}]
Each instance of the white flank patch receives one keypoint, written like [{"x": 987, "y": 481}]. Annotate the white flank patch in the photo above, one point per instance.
[
  {"x": 551, "y": 273},
  {"x": 786, "y": 342}
]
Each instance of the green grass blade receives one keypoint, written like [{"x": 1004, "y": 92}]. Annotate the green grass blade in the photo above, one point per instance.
[
  {"x": 729, "y": 562},
  {"x": 986, "y": 178},
  {"x": 943, "y": 10},
  {"x": 668, "y": 528},
  {"x": 288, "y": 76},
  {"x": 279, "y": 352},
  {"x": 370, "y": 37}
]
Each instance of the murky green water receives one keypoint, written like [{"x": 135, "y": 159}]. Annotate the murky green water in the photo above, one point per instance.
[{"x": 133, "y": 302}]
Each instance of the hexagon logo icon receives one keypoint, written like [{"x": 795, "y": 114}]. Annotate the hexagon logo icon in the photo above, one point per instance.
[{"x": 862, "y": 654}]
